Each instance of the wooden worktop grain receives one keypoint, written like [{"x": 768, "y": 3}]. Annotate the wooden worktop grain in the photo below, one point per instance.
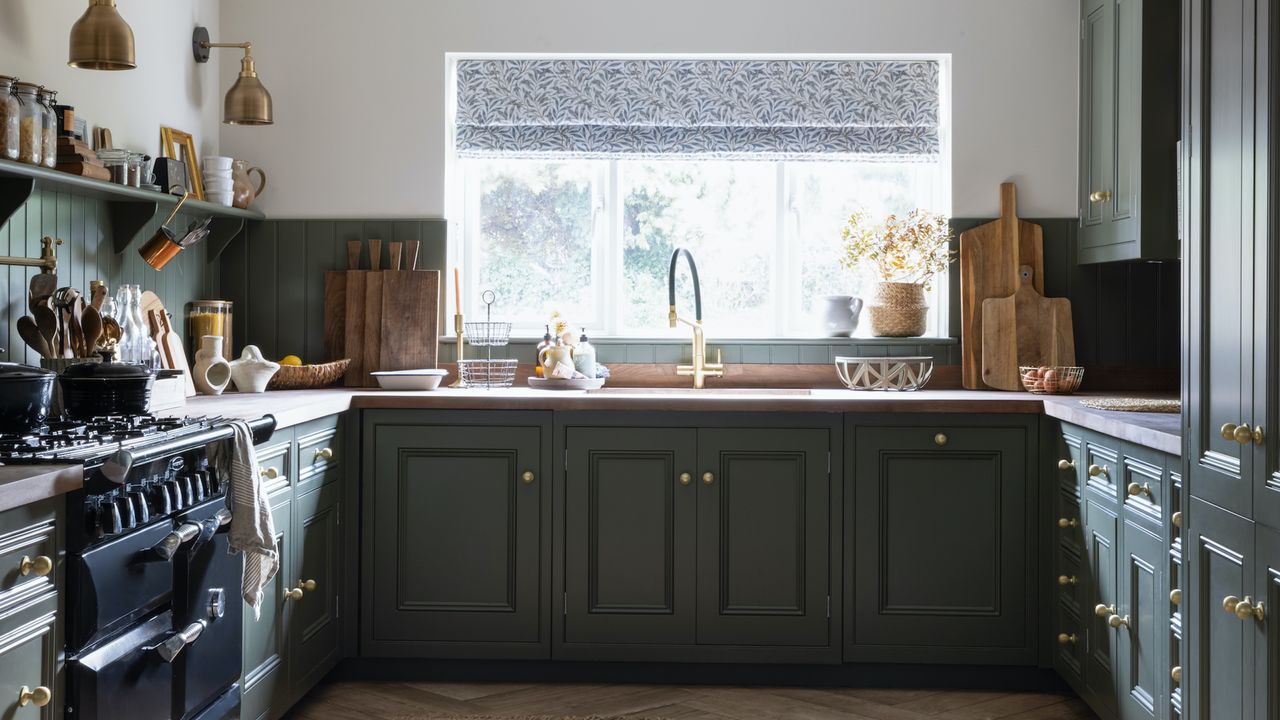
[
  {"x": 24, "y": 484},
  {"x": 1158, "y": 431}
]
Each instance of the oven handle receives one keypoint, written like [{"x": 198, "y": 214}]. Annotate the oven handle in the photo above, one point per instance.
[
  {"x": 171, "y": 648},
  {"x": 188, "y": 531},
  {"x": 117, "y": 467}
]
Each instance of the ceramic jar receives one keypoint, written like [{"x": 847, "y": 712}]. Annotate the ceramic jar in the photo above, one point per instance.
[
  {"x": 212, "y": 371},
  {"x": 838, "y": 314},
  {"x": 898, "y": 310},
  {"x": 554, "y": 356},
  {"x": 252, "y": 372},
  {"x": 243, "y": 193}
]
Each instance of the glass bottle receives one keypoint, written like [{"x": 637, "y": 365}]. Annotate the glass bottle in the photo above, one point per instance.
[
  {"x": 584, "y": 356},
  {"x": 537, "y": 358},
  {"x": 9, "y": 110},
  {"x": 136, "y": 345},
  {"x": 49, "y": 128},
  {"x": 30, "y": 123}
]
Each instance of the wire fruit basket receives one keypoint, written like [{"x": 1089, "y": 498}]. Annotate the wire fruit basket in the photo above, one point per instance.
[
  {"x": 1051, "y": 380},
  {"x": 487, "y": 372}
]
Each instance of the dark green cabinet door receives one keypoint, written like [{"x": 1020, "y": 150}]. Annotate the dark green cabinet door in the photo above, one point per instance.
[
  {"x": 1097, "y": 121},
  {"x": 265, "y": 689},
  {"x": 1220, "y": 561},
  {"x": 1266, "y": 364},
  {"x": 941, "y": 545},
  {"x": 454, "y": 542},
  {"x": 1142, "y": 657},
  {"x": 1102, "y": 549},
  {"x": 314, "y": 635},
  {"x": 30, "y": 655},
  {"x": 763, "y": 537},
  {"x": 630, "y": 563},
  {"x": 1267, "y": 631}
]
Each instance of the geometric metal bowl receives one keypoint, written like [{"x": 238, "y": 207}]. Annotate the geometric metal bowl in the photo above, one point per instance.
[{"x": 884, "y": 373}]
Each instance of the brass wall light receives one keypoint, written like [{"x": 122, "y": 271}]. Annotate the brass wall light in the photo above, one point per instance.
[
  {"x": 101, "y": 39},
  {"x": 247, "y": 102}
]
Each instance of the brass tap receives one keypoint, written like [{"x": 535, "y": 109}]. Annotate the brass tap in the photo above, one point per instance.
[
  {"x": 47, "y": 262},
  {"x": 700, "y": 370}
]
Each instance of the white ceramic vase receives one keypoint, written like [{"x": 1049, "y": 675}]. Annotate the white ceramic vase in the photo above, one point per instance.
[
  {"x": 252, "y": 372},
  {"x": 212, "y": 371},
  {"x": 839, "y": 314}
]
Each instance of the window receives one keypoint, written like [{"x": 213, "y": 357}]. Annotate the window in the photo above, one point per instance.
[{"x": 590, "y": 233}]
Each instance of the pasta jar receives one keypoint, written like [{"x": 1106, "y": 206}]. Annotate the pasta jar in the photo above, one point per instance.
[
  {"x": 49, "y": 128},
  {"x": 8, "y": 119},
  {"x": 30, "y": 123},
  {"x": 209, "y": 317}
]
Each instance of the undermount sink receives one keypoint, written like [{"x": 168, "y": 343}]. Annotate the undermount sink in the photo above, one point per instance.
[{"x": 703, "y": 391}]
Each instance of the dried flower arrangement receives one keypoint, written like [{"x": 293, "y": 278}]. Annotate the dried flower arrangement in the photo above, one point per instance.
[{"x": 912, "y": 249}]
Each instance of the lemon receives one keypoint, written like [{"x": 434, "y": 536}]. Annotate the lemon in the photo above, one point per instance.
[{"x": 291, "y": 360}]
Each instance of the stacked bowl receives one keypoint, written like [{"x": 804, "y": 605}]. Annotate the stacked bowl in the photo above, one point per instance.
[{"x": 217, "y": 180}]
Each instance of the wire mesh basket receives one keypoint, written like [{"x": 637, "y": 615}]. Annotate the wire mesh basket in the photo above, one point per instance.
[
  {"x": 488, "y": 373},
  {"x": 487, "y": 334}
]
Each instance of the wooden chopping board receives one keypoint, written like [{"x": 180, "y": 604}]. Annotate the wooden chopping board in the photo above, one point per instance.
[
  {"x": 372, "y": 327},
  {"x": 990, "y": 256},
  {"x": 353, "y": 326},
  {"x": 335, "y": 315},
  {"x": 1025, "y": 328},
  {"x": 410, "y": 321}
]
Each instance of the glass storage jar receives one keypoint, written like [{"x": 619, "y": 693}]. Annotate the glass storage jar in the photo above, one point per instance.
[
  {"x": 116, "y": 161},
  {"x": 8, "y": 119},
  {"x": 49, "y": 128},
  {"x": 30, "y": 123},
  {"x": 209, "y": 317}
]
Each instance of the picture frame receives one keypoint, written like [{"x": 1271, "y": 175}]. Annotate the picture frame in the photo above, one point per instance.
[{"x": 173, "y": 142}]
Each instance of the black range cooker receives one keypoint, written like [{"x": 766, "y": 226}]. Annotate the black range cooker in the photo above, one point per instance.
[{"x": 153, "y": 609}]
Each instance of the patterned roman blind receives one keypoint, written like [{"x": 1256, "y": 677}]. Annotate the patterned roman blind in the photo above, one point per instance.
[{"x": 765, "y": 109}]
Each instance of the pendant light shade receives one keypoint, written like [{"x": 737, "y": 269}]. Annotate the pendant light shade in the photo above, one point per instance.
[
  {"x": 101, "y": 39},
  {"x": 247, "y": 102}
]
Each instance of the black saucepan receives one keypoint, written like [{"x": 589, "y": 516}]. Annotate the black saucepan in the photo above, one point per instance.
[{"x": 25, "y": 395}]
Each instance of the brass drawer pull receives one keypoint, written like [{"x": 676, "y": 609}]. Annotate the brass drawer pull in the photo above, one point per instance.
[
  {"x": 1175, "y": 596},
  {"x": 1103, "y": 611},
  {"x": 1065, "y": 580},
  {"x": 269, "y": 473},
  {"x": 1144, "y": 489},
  {"x": 1117, "y": 622},
  {"x": 1100, "y": 471},
  {"x": 38, "y": 696},
  {"x": 528, "y": 477},
  {"x": 1244, "y": 609},
  {"x": 1065, "y": 639},
  {"x": 940, "y": 439},
  {"x": 1068, "y": 522},
  {"x": 1176, "y": 519},
  {"x": 708, "y": 478},
  {"x": 1241, "y": 433},
  {"x": 41, "y": 565},
  {"x": 1066, "y": 465},
  {"x": 685, "y": 478},
  {"x": 1176, "y": 674},
  {"x": 1099, "y": 196},
  {"x": 323, "y": 454},
  {"x": 294, "y": 594}
]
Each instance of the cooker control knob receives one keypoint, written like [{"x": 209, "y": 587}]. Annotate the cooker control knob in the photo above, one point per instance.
[
  {"x": 141, "y": 513},
  {"x": 175, "y": 494},
  {"x": 188, "y": 491},
  {"x": 206, "y": 483},
  {"x": 92, "y": 522},
  {"x": 124, "y": 508},
  {"x": 161, "y": 503},
  {"x": 109, "y": 518},
  {"x": 197, "y": 488}
]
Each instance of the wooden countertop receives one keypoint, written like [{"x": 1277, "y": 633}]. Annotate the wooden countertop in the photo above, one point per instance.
[
  {"x": 24, "y": 484},
  {"x": 1158, "y": 431}
]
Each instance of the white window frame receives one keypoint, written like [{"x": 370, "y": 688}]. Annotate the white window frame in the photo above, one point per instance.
[{"x": 462, "y": 198}]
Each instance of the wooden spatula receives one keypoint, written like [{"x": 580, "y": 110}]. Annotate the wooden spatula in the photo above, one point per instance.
[
  {"x": 171, "y": 346},
  {"x": 1025, "y": 328},
  {"x": 31, "y": 335}
]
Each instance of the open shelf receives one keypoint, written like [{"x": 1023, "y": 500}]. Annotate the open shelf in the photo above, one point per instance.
[{"x": 129, "y": 208}]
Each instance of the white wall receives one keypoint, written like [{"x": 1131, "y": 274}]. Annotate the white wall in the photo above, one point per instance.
[
  {"x": 167, "y": 87},
  {"x": 359, "y": 87}
]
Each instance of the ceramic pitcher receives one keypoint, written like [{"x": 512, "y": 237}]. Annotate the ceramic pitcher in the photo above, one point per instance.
[
  {"x": 212, "y": 371},
  {"x": 839, "y": 314},
  {"x": 243, "y": 193}
]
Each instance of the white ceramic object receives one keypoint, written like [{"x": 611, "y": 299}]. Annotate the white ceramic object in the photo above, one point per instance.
[
  {"x": 252, "y": 372},
  {"x": 426, "y": 379},
  {"x": 884, "y": 373},
  {"x": 561, "y": 384},
  {"x": 216, "y": 162},
  {"x": 839, "y": 314},
  {"x": 220, "y": 198},
  {"x": 212, "y": 372},
  {"x": 218, "y": 184}
]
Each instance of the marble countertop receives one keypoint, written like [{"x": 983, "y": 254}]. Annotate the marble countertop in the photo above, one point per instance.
[
  {"x": 1158, "y": 431},
  {"x": 24, "y": 484}
]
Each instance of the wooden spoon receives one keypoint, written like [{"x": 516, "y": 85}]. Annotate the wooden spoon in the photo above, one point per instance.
[
  {"x": 47, "y": 321},
  {"x": 30, "y": 334},
  {"x": 42, "y": 286},
  {"x": 111, "y": 329},
  {"x": 91, "y": 325}
]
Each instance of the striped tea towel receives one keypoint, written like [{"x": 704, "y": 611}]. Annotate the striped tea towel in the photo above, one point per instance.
[{"x": 252, "y": 531}]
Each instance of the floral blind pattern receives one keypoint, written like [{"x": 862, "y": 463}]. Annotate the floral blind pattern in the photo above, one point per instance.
[{"x": 769, "y": 109}]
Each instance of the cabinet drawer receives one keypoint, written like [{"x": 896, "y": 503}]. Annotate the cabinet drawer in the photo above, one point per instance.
[
  {"x": 1142, "y": 483},
  {"x": 1102, "y": 468},
  {"x": 28, "y": 533},
  {"x": 1068, "y": 520},
  {"x": 29, "y": 643},
  {"x": 274, "y": 464},
  {"x": 1068, "y": 643},
  {"x": 1068, "y": 461},
  {"x": 1070, "y": 580},
  {"x": 320, "y": 451}
]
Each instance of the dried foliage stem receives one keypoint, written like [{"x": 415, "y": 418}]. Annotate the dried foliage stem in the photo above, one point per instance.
[{"x": 912, "y": 249}]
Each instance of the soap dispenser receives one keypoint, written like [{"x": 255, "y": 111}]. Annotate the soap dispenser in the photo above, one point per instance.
[
  {"x": 584, "y": 356},
  {"x": 537, "y": 353}
]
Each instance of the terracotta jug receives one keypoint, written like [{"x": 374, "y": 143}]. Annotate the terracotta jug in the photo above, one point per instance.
[{"x": 243, "y": 193}]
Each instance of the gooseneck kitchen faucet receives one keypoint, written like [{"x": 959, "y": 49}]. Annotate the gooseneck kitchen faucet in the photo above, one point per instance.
[{"x": 700, "y": 369}]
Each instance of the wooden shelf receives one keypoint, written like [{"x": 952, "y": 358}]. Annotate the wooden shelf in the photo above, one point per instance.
[{"x": 130, "y": 209}]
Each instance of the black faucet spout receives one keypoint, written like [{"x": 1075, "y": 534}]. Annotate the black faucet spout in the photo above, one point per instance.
[{"x": 671, "y": 285}]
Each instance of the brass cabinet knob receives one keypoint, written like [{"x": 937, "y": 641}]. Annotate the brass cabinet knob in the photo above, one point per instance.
[
  {"x": 1258, "y": 435},
  {"x": 294, "y": 594},
  {"x": 269, "y": 473},
  {"x": 1099, "y": 471},
  {"x": 1068, "y": 522},
  {"x": 1099, "y": 196},
  {"x": 1244, "y": 609},
  {"x": 1175, "y": 596},
  {"x": 38, "y": 696},
  {"x": 308, "y": 585},
  {"x": 940, "y": 439},
  {"x": 1144, "y": 489},
  {"x": 40, "y": 565},
  {"x": 1065, "y": 580},
  {"x": 708, "y": 478},
  {"x": 1176, "y": 519},
  {"x": 685, "y": 478},
  {"x": 1239, "y": 433},
  {"x": 1065, "y": 639},
  {"x": 324, "y": 454},
  {"x": 528, "y": 477},
  {"x": 1228, "y": 431},
  {"x": 1103, "y": 611},
  {"x": 1117, "y": 622},
  {"x": 1176, "y": 674},
  {"x": 1066, "y": 465}
]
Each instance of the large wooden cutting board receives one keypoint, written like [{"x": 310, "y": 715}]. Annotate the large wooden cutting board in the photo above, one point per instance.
[
  {"x": 335, "y": 315},
  {"x": 353, "y": 327},
  {"x": 372, "y": 344},
  {"x": 410, "y": 321},
  {"x": 990, "y": 255},
  {"x": 1025, "y": 328}
]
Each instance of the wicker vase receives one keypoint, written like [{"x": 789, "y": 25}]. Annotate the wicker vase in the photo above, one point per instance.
[{"x": 898, "y": 310}]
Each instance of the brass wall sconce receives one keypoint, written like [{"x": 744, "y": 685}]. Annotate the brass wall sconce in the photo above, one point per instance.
[
  {"x": 101, "y": 39},
  {"x": 247, "y": 102}
]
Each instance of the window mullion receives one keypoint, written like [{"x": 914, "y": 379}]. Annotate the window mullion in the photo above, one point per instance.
[{"x": 784, "y": 273}]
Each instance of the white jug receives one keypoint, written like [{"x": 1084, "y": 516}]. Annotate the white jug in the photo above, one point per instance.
[{"x": 839, "y": 314}]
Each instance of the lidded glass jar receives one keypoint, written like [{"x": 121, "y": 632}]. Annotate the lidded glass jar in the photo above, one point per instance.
[
  {"x": 9, "y": 109},
  {"x": 30, "y": 123},
  {"x": 49, "y": 128},
  {"x": 209, "y": 317}
]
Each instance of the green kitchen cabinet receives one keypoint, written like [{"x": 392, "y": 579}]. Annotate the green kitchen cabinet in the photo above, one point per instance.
[
  {"x": 265, "y": 690},
  {"x": 943, "y": 538},
  {"x": 1102, "y": 548},
  {"x": 1128, "y": 131},
  {"x": 1266, "y": 655},
  {"x": 314, "y": 632},
  {"x": 456, "y": 546},
  {"x": 1142, "y": 661},
  {"x": 30, "y": 613}
]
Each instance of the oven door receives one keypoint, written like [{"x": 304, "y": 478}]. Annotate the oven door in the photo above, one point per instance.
[
  {"x": 208, "y": 593},
  {"x": 125, "y": 679},
  {"x": 115, "y": 584}
]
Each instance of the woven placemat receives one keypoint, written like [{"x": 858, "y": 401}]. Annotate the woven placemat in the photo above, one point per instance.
[{"x": 1134, "y": 405}]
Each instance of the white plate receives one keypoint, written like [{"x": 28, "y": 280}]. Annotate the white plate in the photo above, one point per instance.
[
  {"x": 562, "y": 384},
  {"x": 425, "y": 379}
]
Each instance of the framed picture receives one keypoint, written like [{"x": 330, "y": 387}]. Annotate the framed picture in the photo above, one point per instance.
[{"x": 170, "y": 142}]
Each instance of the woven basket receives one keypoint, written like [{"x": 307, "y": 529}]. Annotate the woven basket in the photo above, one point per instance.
[
  {"x": 308, "y": 377},
  {"x": 898, "y": 310}
]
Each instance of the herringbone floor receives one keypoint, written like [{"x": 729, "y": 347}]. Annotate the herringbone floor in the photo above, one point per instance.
[{"x": 403, "y": 701}]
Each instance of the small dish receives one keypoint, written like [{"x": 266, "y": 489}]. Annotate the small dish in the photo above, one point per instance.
[
  {"x": 562, "y": 384},
  {"x": 425, "y": 379}
]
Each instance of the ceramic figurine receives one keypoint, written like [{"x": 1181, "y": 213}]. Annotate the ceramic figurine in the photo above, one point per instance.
[
  {"x": 212, "y": 371},
  {"x": 839, "y": 314},
  {"x": 252, "y": 372}
]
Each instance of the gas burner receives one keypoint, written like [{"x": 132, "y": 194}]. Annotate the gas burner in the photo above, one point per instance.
[{"x": 65, "y": 438}]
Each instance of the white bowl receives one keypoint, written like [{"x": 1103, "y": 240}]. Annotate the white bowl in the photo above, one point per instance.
[
  {"x": 425, "y": 379},
  {"x": 218, "y": 185},
  {"x": 219, "y": 198},
  {"x": 216, "y": 162}
]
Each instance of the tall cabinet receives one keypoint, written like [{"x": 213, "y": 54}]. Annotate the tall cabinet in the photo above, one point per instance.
[{"x": 1230, "y": 383}]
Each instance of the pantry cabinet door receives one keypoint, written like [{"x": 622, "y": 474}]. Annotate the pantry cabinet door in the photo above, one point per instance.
[{"x": 1142, "y": 658}]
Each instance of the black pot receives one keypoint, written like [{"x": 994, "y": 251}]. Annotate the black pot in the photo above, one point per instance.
[
  {"x": 25, "y": 395},
  {"x": 105, "y": 388}
]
